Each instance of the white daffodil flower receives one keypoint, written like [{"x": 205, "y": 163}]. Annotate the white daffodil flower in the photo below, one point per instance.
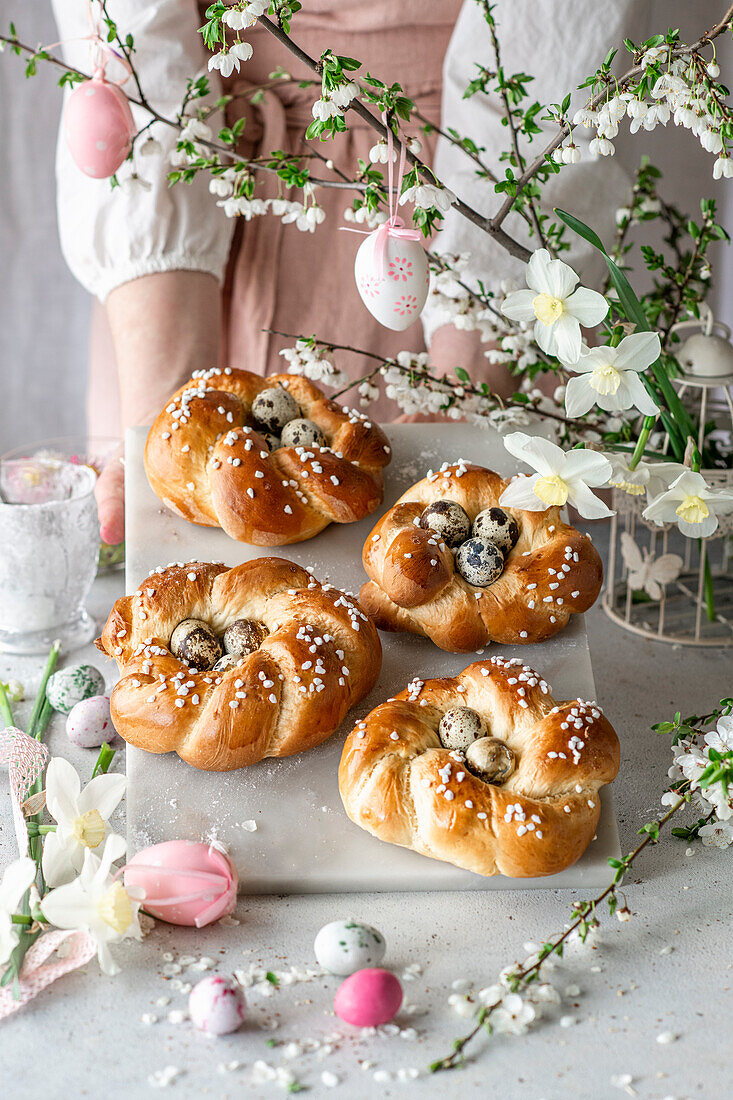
[
  {"x": 555, "y": 306},
  {"x": 609, "y": 377},
  {"x": 17, "y": 878},
  {"x": 97, "y": 903},
  {"x": 561, "y": 477},
  {"x": 691, "y": 504},
  {"x": 82, "y": 818}
]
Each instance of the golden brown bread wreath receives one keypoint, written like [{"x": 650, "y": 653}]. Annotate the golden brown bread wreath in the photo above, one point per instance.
[
  {"x": 207, "y": 462},
  {"x": 322, "y": 655},
  {"x": 552, "y": 572},
  {"x": 399, "y": 783}
]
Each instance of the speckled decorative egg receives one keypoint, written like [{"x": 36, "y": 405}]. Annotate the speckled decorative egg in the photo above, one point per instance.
[
  {"x": 480, "y": 562},
  {"x": 344, "y": 946},
  {"x": 460, "y": 727},
  {"x": 244, "y": 636},
  {"x": 216, "y": 1005},
  {"x": 448, "y": 520},
  {"x": 194, "y": 642},
  {"x": 89, "y": 723},
  {"x": 498, "y": 527},
  {"x": 490, "y": 759},
  {"x": 274, "y": 407},
  {"x": 69, "y": 686},
  {"x": 99, "y": 127},
  {"x": 368, "y": 998},
  {"x": 302, "y": 433},
  {"x": 225, "y": 663}
]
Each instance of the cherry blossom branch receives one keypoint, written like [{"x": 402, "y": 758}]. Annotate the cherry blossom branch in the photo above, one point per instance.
[
  {"x": 485, "y": 224},
  {"x": 567, "y": 128},
  {"x": 527, "y": 974}
]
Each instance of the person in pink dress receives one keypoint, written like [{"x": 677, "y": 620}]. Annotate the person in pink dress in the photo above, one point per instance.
[{"x": 179, "y": 286}]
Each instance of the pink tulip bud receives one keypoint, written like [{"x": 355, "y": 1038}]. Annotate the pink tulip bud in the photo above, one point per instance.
[{"x": 184, "y": 882}]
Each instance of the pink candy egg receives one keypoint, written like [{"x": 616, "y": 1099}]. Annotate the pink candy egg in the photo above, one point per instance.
[
  {"x": 368, "y": 998},
  {"x": 184, "y": 882},
  {"x": 216, "y": 1005},
  {"x": 89, "y": 723},
  {"x": 99, "y": 127}
]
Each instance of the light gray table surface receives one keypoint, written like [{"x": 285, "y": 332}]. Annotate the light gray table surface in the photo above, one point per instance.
[{"x": 84, "y": 1035}]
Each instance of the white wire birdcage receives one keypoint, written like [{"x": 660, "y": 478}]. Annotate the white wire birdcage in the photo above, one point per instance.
[{"x": 655, "y": 585}]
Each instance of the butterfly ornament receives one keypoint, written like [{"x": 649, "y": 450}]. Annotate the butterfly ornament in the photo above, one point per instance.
[{"x": 646, "y": 572}]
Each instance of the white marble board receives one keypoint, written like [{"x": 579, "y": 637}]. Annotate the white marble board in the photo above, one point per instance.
[{"x": 304, "y": 843}]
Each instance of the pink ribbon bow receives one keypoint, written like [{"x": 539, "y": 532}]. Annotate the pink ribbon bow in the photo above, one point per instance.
[{"x": 394, "y": 226}]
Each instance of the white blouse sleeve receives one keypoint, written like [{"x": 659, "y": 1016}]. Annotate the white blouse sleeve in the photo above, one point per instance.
[
  {"x": 109, "y": 236},
  {"x": 541, "y": 37}
]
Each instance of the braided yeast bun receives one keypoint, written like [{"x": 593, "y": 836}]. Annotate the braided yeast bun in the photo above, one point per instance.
[
  {"x": 321, "y": 654},
  {"x": 399, "y": 783},
  {"x": 553, "y": 571},
  {"x": 207, "y": 462}
]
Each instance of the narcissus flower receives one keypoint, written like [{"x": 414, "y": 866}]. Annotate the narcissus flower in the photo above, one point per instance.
[
  {"x": 609, "y": 377},
  {"x": 555, "y": 306},
  {"x": 82, "y": 818},
  {"x": 691, "y": 504},
  {"x": 562, "y": 477}
]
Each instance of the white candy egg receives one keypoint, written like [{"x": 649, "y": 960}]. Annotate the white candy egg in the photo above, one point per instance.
[
  {"x": 89, "y": 723},
  {"x": 217, "y": 1005},
  {"x": 345, "y": 946}
]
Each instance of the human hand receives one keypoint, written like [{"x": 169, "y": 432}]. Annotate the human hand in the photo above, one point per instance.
[{"x": 109, "y": 493}]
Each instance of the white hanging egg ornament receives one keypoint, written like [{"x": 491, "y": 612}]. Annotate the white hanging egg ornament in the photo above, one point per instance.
[
  {"x": 392, "y": 276},
  {"x": 99, "y": 127},
  {"x": 706, "y": 356}
]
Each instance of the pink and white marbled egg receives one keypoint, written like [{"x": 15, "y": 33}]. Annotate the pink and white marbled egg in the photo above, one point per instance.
[
  {"x": 89, "y": 723},
  {"x": 216, "y": 1005}
]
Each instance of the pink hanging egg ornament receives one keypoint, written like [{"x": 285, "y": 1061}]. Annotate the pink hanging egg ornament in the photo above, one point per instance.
[
  {"x": 368, "y": 998},
  {"x": 99, "y": 127},
  {"x": 392, "y": 276},
  {"x": 184, "y": 882}
]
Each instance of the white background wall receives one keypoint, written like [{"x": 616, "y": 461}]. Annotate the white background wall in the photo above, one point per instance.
[{"x": 44, "y": 314}]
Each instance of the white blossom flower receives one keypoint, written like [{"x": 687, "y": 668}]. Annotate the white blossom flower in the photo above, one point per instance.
[
  {"x": 561, "y": 477},
  {"x": 723, "y": 167},
  {"x": 555, "y": 306},
  {"x": 513, "y": 1016},
  {"x": 378, "y": 154},
  {"x": 427, "y": 195},
  {"x": 223, "y": 185},
  {"x": 609, "y": 377},
  {"x": 195, "y": 130},
  {"x": 133, "y": 185},
  {"x": 601, "y": 147},
  {"x": 585, "y": 117},
  {"x": 570, "y": 154},
  {"x": 17, "y": 878},
  {"x": 713, "y": 70},
  {"x": 721, "y": 738},
  {"x": 711, "y": 140},
  {"x": 82, "y": 818},
  {"x": 151, "y": 148},
  {"x": 691, "y": 504},
  {"x": 240, "y": 51},
  {"x": 718, "y": 834},
  {"x": 223, "y": 62},
  {"x": 344, "y": 93},
  {"x": 323, "y": 109},
  {"x": 97, "y": 903}
]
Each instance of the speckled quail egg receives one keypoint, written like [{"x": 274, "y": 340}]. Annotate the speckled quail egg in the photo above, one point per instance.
[
  {"x": 460, "y": 727},
  {"x": 194, "y": 642},
  {"x": 244, "y": 636},
  {"x": 89, "y": 723},
  {"x": 345, "y": 946},
  {"x": 449, "y": 521},
  {"x": 225, "y": 663},
  {"x": 498, "y": 527},
  {"x": 69, "y": 686},
  {"x": 480, "y": 562},
  {"x": 302, "y": 433},
  {"x": 490, "y": 759},
  {"x": 274, "y": 407}
]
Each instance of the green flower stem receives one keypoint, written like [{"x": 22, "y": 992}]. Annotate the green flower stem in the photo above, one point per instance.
[
  {"x": 104, "y": 760},
  {"x": 40, "y": 717},
  {"x": 40, "y": 830},
  {"x": 649, "y": 422},
  {"x": 708, "y": 588},
  {"x": 5, "y": 709},
  {"x": 21, "y": 918}
]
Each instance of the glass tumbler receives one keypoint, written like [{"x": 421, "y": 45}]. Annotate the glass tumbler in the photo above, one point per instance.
[{"x": 49, "y": 548}]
